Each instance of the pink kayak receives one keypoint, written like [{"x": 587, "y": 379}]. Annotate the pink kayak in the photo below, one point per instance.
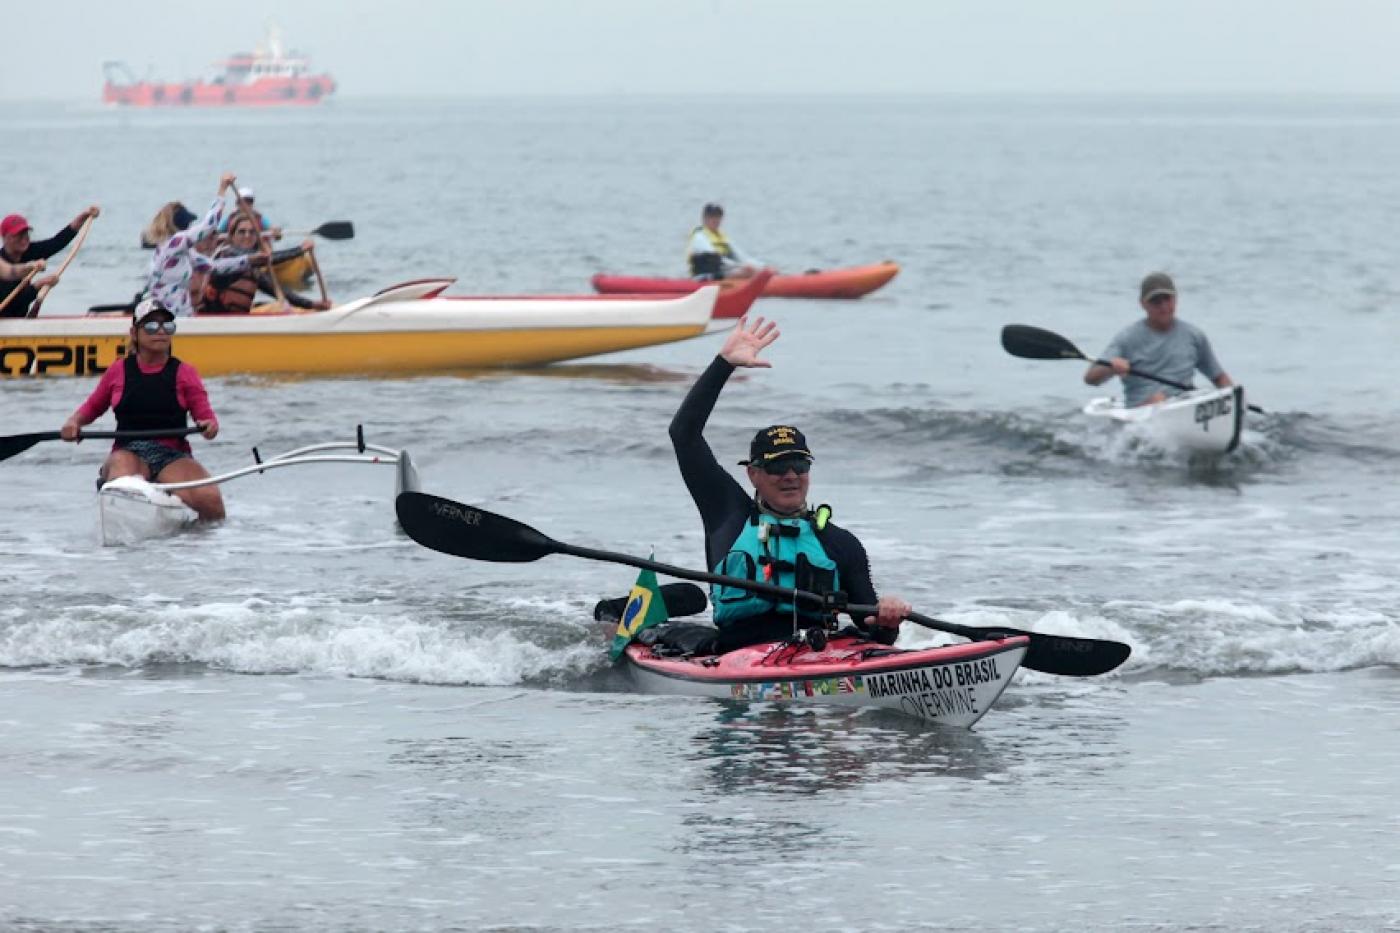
[
  {"x": 851, "y": 282},
  {"x": 952, "y": 685}
]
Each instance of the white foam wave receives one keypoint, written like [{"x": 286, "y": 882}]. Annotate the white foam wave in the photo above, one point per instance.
[
  {"x": 1207, "y": 637},
  {"x": 256, "y": 636}
]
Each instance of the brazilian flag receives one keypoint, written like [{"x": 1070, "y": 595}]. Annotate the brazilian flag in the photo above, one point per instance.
[{"x": 645, "y": 607}]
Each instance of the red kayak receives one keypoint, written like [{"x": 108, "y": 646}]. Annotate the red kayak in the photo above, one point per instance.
[
  {"x": 736, "y": 297},
  {"x": 953, "y": 685},
  {"x": 829, "y": 283}
]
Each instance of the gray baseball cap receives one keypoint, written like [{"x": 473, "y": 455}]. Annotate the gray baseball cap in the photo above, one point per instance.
[{"x": 1157, "y": 283}]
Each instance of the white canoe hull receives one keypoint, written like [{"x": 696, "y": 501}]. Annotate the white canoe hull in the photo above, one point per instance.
[
  {"x": 1206, "y": 421},
  {"x": 130, "y": 509}
]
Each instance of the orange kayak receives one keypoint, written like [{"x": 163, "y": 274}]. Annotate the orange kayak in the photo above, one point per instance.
[{"x": 851, "y": 282}]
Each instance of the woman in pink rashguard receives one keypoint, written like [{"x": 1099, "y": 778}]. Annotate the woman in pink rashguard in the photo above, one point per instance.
[{"x": 151, "y": 390}]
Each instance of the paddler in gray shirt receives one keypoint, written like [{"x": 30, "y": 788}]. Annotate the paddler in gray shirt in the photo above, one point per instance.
[{"x": 1159, "y": 344}]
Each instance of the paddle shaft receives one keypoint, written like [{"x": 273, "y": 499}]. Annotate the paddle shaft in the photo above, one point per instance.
[
  {"x": 23, "y": 284},
  {"x": 320, "y": 279},
  {"x": 77, "y": 245},
  {"x": 1164, "y": 381},
  {"x": 19, "y": 443},
  {"x": 767, "y": 589}
]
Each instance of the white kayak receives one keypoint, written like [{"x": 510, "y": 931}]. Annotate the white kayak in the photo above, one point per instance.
[
  {"x": 1202, "y": 421},
  {"x": 131, "y": 509}
]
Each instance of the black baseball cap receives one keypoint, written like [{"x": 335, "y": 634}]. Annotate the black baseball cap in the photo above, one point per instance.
[
  {"x": 776, "y": 442},
  {"x": 182, "y": 217}
]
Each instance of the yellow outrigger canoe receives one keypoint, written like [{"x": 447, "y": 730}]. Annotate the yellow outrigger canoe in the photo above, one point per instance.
[
  {"x": 406, "y": 329},
  {"x": 296, "y": 273}
]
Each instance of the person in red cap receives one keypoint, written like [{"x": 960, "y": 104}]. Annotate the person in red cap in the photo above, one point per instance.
[
  {"x": 151, "y": 390},
  {"x": 772, "y": 535},
  {"x": 18, "y": 247}
]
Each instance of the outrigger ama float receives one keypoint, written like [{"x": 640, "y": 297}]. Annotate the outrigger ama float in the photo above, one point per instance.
[
  {"x": 131, "y": 509},
  {"x": 406, "y": 329}
]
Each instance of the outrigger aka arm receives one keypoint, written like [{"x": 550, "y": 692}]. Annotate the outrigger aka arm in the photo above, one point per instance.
[{"x": 384, "y": 455}]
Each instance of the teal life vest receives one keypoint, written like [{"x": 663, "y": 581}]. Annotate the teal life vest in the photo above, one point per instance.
[{"x": 785, "y": 552}]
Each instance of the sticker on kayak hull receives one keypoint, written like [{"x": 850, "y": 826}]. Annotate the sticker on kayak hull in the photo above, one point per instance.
[{"x": 796, "y": 689}]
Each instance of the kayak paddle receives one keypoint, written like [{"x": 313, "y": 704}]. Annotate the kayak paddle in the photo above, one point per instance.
[
  {"x": 330, "y": 230},
  {"x": 466, "y": 531},
  {"x": 23, "y": 284},
  {"x": 18, "y": 443},
  {"x": 1034, "y": 343}
]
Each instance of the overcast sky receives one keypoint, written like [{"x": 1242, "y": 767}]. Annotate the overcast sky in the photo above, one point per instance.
[{"x": 54, "y": 49}]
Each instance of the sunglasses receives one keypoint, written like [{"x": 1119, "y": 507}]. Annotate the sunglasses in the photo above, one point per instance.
[
  {"x": 1159, "y": 299},
  {"x": 159, "y": 327},
  {"x": 798, "y": 465}
]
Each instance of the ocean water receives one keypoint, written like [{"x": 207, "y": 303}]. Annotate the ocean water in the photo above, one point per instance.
[{"x": 299, "y": 719}]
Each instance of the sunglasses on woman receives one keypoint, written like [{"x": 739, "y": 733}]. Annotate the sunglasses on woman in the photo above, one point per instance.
[
  {"x": 159, "y": 327},
  {"x": 798, "y": 465}
]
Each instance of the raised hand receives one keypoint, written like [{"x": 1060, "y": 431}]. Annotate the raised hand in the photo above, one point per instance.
[
  {"x": 746, "y": 341},
  {"x": 82, "y": 217}
]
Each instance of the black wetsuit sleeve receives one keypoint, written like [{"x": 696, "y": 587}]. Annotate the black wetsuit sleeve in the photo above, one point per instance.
[
  {"x": 282, "y": 255},
  {"x": 853, "y": 565},
  {"x": 722, "y": 502},
  {"x": 45, "y": 249}
]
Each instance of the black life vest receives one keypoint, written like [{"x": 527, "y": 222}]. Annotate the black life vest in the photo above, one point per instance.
[{"x": 149, "y": 402}]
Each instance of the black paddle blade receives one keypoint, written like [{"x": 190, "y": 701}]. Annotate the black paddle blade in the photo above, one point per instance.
[
  {"x": 466, "y": 531},
  {"x": 1033, "y": 343},
  {"x": 1066, "y": 655},
  {"x": 19, "y": 443},
  {"x": 336, "y": 230}
]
